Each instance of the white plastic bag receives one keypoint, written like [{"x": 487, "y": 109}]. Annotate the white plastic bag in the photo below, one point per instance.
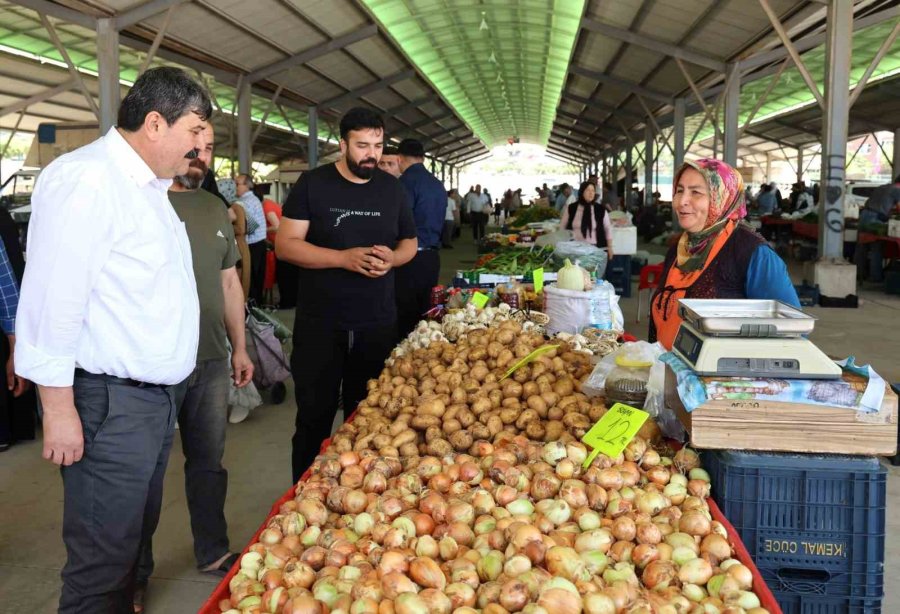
[
  {"x": 637, "y": 351},
  {"x": 571, "y": 311},
  {"x": 242, "y": 401},
  {"x": 585, "y": 255}
]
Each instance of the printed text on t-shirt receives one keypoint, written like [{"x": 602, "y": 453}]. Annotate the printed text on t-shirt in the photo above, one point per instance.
[{"x": 348, "y": 212}]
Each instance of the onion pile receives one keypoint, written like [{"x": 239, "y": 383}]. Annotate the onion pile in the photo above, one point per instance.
[
  {"x": 509, "y": 526},
  {"x": 447, "y": 396}
]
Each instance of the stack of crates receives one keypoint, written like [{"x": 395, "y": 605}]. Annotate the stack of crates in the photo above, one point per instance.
[
  {"x": 618, "y": 273},
  {"x": 814, "y": 525}
]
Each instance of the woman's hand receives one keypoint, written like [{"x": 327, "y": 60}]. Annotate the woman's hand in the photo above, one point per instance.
[{"x": 609, "y": 252}]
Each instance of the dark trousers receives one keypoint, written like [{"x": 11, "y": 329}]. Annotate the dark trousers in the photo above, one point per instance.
[
  {"x": 323, "y": 359},
  {"x": 447, "y": 233},
  {"x": 287, "y": 276},
  {"x": 112, "y": 496},
  {"x": 16, "y": 413},
  {"x": 413, "y": 283},
  {"x": 202, "y": 419},
  {"x": 869, "y": 257},
  {"x": 257, "y": 270},
  {"x": 479, "y": 220}
]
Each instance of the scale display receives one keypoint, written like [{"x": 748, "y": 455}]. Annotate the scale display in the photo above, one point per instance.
[{"x": 772, "y": 357}]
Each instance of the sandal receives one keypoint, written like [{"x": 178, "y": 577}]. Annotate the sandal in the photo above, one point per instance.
[
  {"x": 222, "y": 566},
  {"x": 138, "y": 599}
]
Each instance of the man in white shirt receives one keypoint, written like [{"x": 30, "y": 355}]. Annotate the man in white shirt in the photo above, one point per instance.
[
  {"x": 256, "y": 234},
  {"x": 449, "y": 220},
  {"x": 108, "y": 328},
  {"x": 478, "y": 205}
]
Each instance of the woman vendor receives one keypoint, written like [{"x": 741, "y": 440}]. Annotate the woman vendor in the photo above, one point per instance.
[
  {"x": 588, "y": 219},
  {"x": 718, "y": 255}
]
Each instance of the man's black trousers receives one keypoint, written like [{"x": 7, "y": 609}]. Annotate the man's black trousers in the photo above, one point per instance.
[
  {"x": 413, "y": 284},
  {"x": 325, "y": 360}
]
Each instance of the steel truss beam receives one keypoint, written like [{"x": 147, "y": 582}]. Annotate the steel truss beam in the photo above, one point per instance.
[
  {"x": 307, "y": 55},
  {"x": 653, "y": 44}
]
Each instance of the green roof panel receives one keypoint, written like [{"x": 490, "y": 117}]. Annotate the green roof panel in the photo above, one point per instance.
[{"x": 500, "y": 65}]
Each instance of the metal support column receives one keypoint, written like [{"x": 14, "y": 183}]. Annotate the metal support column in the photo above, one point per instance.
[
  {"x": 895, "y": 161},
  {"x": 799, "y": 164},
  {"x": 108, "y": 69},
  {"x": 629, "y": 167},
  {"x": 838, "y": 45},
  {"x": 614, "y": 179},
  {"x": 768, "y": 167},
  {"x": 648, "y": 164},
  {"x": 732, "y": 107},
  {"x": 243, "y": 128},
  {"x": 604, "y": 170},
  {"x": 312, "y": 147},
  {"x": 678, "y": 127}
]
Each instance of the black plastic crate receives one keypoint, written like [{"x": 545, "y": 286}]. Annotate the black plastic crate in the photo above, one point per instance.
[
  {"x": 814, "y": 524},
  {"x": 793, "y": 603},
  {"x": 618, "y": 273}
]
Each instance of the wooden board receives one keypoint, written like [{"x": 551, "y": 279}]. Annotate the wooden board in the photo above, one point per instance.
[{"x": 785, "y": 427}]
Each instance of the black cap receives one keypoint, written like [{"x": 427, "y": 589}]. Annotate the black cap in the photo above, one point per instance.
[{"x": 411, "y": 148}]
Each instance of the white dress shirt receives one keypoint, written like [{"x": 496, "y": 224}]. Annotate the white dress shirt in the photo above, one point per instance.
[{"x": 109, "y": 284}]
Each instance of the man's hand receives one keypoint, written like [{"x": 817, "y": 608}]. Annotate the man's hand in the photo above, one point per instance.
[
  {"x": 17, "y": 385},
  {"x": 241, "y": 368},
  {"x": 362, "y": 260},
  {"x": 63, "y": 437},
  {"x": 384, "y": 258}
]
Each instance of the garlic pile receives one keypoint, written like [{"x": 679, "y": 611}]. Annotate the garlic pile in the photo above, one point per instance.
[
  {"x": 458, "y": 323},
  {"x": 595, "y": 342}
]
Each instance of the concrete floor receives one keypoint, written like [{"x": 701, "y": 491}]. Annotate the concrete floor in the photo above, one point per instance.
[{"x": 258, "y": 459}]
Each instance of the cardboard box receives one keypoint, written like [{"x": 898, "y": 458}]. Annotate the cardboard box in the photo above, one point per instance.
[{"x": 787, "y": 427}]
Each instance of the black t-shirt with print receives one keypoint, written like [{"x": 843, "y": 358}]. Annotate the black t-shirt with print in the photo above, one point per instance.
[{"x": 342, "y": 215}]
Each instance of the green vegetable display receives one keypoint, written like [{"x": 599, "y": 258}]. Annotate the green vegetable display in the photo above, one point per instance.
[
  {"x": 517, "y": 261},
  {"x": 532, "y": 215}
]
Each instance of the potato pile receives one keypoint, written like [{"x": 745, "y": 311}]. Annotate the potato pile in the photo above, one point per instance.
[{"x": 446, "y": 397}]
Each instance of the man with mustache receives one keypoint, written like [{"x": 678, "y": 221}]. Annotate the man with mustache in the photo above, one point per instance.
[
  {"x": 108, "y": 325},
  {"x": 203, "y": 417},
  {"x": 346, "y": 225}
]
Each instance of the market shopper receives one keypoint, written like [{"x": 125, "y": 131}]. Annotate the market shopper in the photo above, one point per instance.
[
  {"x": 203, "y": 414},
  {"x": 390, "y": 161},
  {"x": 589, "y": 220},
  {"x": 478, "y": 205},
  {"x": 17, "y": 400},
  {"x": 346, "y": 225},
  {"x": 450, "y": 216},
  {"x": 869, "y": 257},
  {"x": 718, "y": 256},
  {"x": 256, "y": 234},
  {"x": 108, "y": 327},
  {"x": 428, "y": 199}
]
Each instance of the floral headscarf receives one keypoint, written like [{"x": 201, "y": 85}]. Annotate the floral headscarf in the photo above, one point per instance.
[{"x": 726, "y": 204}]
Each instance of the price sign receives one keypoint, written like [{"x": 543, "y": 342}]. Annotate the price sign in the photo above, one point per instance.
[
  {"x": 538, "y": 280},
  {"x": 614, "y": 431},
  {"x": 480, "y": 300},
  {"x": 541, "y": 350}
]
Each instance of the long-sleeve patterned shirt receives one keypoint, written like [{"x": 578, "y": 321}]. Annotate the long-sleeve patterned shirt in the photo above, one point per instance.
[{"x": 9, "y": 293}]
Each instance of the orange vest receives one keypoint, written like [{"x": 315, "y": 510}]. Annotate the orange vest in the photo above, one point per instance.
[{"x": 665, "y": 313}]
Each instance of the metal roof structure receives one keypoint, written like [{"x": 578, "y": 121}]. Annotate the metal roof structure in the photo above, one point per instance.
[
  {"x": 296, "y": 54},
  {"x": 637, "y": 58},
  {"x": 582, "y": 77}
]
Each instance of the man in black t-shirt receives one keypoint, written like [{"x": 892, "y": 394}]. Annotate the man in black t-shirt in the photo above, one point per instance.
[{"x": 346, "y": 225}]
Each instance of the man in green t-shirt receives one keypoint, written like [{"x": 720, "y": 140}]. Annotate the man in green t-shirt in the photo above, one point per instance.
[{"x": 203, "y": 415}]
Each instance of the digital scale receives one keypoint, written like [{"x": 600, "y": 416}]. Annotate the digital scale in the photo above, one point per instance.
[{"x": 750, "y": 338}]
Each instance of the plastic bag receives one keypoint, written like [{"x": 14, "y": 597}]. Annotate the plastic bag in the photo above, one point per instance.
[
  {"x": 638, "y": 351},
  {"x": 242, "y": 401},
  {"x": 571, "y": 311},
  {"x": 585, "y": 255}
]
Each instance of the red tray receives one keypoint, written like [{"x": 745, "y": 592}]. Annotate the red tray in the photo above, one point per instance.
[{"x": 766, "y": 598}]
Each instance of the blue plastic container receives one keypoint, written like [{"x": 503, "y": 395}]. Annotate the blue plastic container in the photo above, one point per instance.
[
  {"x": 814, "y": 524},
  {"x": 618, "y": 273},
  {"x": 793, "y": 603}
]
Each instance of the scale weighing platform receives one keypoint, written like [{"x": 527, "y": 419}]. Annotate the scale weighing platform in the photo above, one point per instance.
[{"x": 750, "y": 338}]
